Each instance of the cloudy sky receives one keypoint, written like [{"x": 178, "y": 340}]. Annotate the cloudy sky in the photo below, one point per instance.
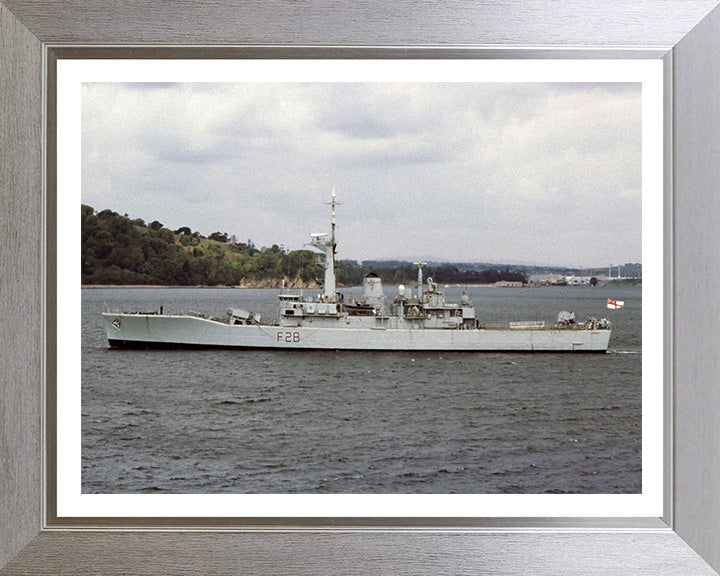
[{"x": 504, "y": 172}]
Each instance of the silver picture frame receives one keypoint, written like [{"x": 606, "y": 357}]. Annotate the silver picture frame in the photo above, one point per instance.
[{"x": 684, "y": 34}]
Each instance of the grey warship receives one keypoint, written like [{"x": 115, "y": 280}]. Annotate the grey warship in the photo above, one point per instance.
[{"x": 419, "y": 319}]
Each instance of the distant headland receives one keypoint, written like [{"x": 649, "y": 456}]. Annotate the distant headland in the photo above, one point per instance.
[{"x": 120, "y": 251}]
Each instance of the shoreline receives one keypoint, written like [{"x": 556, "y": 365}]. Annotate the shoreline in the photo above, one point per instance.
[
  {"x": 266, "y": 287},
  {"x": 166, "y": 286}
]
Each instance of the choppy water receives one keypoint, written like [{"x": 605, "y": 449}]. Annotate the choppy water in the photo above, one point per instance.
[{"x": 358, "y": 422}]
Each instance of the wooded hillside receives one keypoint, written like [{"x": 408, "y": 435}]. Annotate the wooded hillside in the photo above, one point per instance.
[{"x": 121, "y": 251}]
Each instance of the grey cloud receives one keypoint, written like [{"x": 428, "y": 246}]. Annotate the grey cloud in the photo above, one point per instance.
[
  {"x": 453, "y": 171},
  {"x": 140, "y": 86}
]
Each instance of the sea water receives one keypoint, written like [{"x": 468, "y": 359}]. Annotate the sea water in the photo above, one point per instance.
[{"x": 244, "y": 421}]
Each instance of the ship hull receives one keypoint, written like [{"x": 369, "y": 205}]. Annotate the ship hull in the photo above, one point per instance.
[{"x": 183, "y": 331}]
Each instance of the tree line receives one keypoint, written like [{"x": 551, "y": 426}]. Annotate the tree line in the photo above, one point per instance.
[{"x": 118, "y": 250}]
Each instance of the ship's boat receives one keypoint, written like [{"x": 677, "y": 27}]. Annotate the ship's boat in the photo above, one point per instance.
[{"x": 412, "y": 320}]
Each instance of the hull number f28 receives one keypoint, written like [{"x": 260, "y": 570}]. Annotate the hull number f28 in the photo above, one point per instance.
[{"x": 288, "y": 336}]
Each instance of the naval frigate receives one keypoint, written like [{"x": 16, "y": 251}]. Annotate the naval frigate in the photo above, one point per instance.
[{"x": 412, "y": 320}]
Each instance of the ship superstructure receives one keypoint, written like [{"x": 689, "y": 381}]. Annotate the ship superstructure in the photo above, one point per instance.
[{"x": 419, "y": 319}]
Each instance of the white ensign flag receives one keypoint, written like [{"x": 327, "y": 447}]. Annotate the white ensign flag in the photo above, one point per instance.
[{"x": 615, "y": 304}]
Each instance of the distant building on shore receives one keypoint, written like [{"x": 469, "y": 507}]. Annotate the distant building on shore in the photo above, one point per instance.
[
  {"x": 577, "y": 280},
  {"x": 561, "y": 280}
]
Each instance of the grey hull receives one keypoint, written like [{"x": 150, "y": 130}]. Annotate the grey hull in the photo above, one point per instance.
[{"x": 184, "y": 331}]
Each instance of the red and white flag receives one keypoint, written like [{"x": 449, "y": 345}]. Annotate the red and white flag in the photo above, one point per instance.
[{"x": 615, "y": 304}]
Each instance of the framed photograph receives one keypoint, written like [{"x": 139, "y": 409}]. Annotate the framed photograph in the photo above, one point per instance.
[
  {"x": 626, "y": 123},
  {"x": 429, "y": 149}
]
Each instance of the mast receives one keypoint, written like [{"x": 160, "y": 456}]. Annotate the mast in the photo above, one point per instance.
[
  {"x": 332, "y": 232},
  {"x": 330, "y": 254},
  {"x": 327, "y": 246},
  {"x": 420, "y": 279}
]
